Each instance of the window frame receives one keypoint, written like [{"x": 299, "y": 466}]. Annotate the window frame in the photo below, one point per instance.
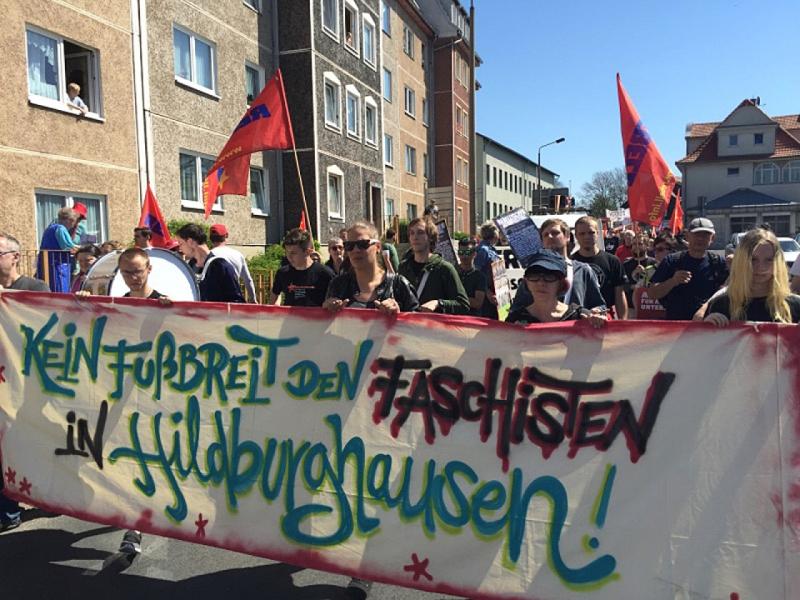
[
  {"x": 733, "y": 140},
  {"x": 388, "y": 157},
  {"x": 787, "y": 169},
  {"x": 410, "y": 100},
  {"x": 758, "y": 173},
  {"x": 334, "y": 171},
  {"x": 217, "y": 207},
  {"x": 70, "y": 198},
  {"x": 758, "y": 139},
  {"x": 386, "y": 18},
  {"x": 369, "y": 103},
  {"x": 330, "y": 78},
  {"x": 263, "y": 176},
  {"x": 733, "y": 171},
  {"x": 261, "y": 78},
  {"x": 408, "y": 42},
  {"x": 330, "y": 32},
  {"x": 368, "y": 23},
  {"x": 192, "y": 83},
  {"x": 411, "y": 165},
  {"x": 352, "y": 92},
  {"x": 61, "y": 104},
  {"x": 387, "y": 72},
  {"x": 352, "y": 7},
  {"x": 426, "y": 112}
]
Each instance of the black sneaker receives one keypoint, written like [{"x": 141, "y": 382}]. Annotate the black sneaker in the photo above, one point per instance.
[
  {"x": 131, "y": 543},
  {"x": 358, "y": 589},
  {"x": 11, "y": 523}
]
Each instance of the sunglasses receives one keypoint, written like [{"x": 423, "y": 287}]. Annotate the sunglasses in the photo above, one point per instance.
[
  {"x": 466, "y": 252},
  {"x": 546, "y": 277},
  {"x": 360, "y": 244}
]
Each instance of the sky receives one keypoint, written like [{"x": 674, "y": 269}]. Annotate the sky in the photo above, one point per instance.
[{"x": 549, "y": 71}]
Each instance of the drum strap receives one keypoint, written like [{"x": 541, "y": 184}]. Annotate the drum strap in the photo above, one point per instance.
[{"x": 209, "y": 259}]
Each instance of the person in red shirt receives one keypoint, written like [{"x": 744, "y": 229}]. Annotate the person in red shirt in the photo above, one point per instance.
[{"x": 624, "y": 252}]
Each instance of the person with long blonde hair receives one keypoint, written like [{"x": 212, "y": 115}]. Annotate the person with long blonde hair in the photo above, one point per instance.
[{"x": 758, "y": 289}]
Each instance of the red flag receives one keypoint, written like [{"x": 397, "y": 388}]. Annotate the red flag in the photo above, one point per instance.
[
  {"x": 650, "y": 181},
  {"x": 265, "y": 125},
  {"x": 152, "y": 218},
  {"x": 232, "y": 178},
  {"x": 303, "y": 226},
  {"x": 676, "y": 221}
]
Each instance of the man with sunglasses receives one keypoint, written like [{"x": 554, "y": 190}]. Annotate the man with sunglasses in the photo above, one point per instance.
[
  {"x": 474, "y": 282},
  {"x": 303, "y": 282}
]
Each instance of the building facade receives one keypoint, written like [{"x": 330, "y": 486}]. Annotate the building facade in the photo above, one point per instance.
[
  {"x": 330, "y": 59},
  {"x": 506, "y": 179},
  {"x": 744, "y": 171},
  {"x": 406, "y": 87},
  {"x": 50, "y": 155}
]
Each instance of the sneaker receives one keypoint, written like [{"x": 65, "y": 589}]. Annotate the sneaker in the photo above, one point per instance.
[
  {"x": 131, "y": 543},
  {"x": 358, "y": 589},
  {"x": 12, "y": 522}
]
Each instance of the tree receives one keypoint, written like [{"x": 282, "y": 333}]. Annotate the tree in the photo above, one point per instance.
[{"x": 607, "y": 190}]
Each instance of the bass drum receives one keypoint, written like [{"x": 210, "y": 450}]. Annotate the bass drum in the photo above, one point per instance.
[{"x": 170, "y": 276}]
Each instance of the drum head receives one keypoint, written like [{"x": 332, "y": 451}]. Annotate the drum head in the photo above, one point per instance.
[{"x": 170, "y": 275}]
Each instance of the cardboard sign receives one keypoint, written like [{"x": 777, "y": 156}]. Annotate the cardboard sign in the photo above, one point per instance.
[
  {"x": 451, "y": 454},
  {"x": 444, "y": 244},
  {"x": 647, "y": 308},
  {"x": 521, "y": 232}
]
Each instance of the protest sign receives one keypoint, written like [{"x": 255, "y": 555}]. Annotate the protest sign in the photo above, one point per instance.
[
  {"x": 450, "y": 454},
  {"x": 646, "y": 307},
  {"x": 521, "y": 232},
  {"x": 444, "y": 244}
]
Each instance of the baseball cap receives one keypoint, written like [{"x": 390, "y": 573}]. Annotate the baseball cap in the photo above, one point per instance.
[
  {"x": 80, "y": 208},
  {"x": 701, "y": 224},
  {"x": 219, "y": 229},
  {"x": 546, "y": 260}
]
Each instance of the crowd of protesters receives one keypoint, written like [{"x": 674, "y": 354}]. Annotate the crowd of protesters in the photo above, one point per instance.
[{"x": 572, "y": 278}]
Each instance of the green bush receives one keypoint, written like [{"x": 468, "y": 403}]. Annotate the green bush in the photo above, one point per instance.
[
  {"x": 460, "y": 235},
  {"x": 175, "y": 224},
  {"x": 269, "y": 260}
]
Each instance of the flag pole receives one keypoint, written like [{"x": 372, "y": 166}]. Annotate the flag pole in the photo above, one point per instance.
[{"x": 302, "y": 191}]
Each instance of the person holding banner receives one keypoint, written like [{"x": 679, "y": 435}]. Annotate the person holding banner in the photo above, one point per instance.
[
  {"x": 758, "y": 289},
  {"x": 435, "y": 280},
  {"x": 546, "y": 280},
  {"x": 367, "y": 284},
  {"x": 303, "y": 281},
  {"x": 607, "y": 267},
  {"x": 583, "y": 288}
]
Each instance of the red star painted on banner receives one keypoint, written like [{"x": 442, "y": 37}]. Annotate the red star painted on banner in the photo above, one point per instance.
[
  {"x": 419, "y": 569},
  {"x": 2, "y": 373},
  {"x": 25, "y": 486},
  {"x": 734, "y": 596},
  {"x": 11, "y": 476},
  {"x": 201, "y": 526}
]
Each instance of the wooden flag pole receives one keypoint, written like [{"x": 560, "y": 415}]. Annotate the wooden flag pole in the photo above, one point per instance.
[{"x": 302, "y": 192}]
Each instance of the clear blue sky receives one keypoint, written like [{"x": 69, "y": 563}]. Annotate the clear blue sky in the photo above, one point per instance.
[{"x": 549, "y": 71}]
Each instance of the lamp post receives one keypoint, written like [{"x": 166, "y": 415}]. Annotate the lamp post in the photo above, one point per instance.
[{"x": 539, "y": 170}]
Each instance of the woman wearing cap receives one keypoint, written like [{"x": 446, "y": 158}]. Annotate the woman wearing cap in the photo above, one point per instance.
[
  {"x": 758, "y": 289},
  {"x": 546, "y": 280},
  {"x": 366, "y": 284}
]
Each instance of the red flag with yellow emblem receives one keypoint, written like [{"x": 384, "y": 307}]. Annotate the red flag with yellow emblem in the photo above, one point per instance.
[{"x": 231, "y": 178}]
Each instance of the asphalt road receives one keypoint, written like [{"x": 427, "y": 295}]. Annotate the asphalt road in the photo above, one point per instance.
[{"x": 61, "y": 558}]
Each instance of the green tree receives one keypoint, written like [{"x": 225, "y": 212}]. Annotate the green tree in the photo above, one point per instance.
[{"x": 607, "y": 190}]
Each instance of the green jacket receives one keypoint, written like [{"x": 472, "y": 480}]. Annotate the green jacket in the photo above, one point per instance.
[{"x": 442, "y": 284}]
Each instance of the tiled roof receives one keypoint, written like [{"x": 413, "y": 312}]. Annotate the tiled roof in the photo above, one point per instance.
[
  {"x": 743, "y": 197},
  {"x": 701, "y": 130}
]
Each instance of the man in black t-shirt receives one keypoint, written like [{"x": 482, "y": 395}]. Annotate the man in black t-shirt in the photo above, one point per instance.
[
  {"x": 134, "y": 266},
  {"x": 473, "y": 280},
  {"x": 607, "y": 267},
  {"x": 302, "y": 282}
]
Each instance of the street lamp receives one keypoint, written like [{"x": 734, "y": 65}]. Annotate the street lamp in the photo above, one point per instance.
[{"x": 539, "y": 170}]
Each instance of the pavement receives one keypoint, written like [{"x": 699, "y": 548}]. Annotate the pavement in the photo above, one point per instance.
[{"x": 61, "y": 558}]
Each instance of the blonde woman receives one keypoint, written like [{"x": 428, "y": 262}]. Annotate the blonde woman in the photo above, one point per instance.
[{"x": 758, "y": 289}]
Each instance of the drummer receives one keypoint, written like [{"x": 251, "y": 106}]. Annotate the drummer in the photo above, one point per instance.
[{"x": 134, "y": 266}]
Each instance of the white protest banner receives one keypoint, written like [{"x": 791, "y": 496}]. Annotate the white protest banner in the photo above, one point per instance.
[{"x": 451, "y": 454}]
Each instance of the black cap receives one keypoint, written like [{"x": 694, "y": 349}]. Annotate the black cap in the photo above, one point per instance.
[{"x": 547, "y": 260}]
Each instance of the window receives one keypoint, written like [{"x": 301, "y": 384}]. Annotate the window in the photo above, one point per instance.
[
  {"x": 194, "y": 60},
  {"x": 54, "y": 63},
  {"x": 193, "y": 171},
  {"x": 791, "y": 172},
  {"x": 408, "y": 42},
  {"x": 733, "y": 171},
  {"x": 370, "y": 121},
  {"x": 459, "y": 119},
  {"x": 733, "y": 140},
  {"x": 387, "y": 85},
  {"x": 368, "y": 39},
  {"x": 780, "y": 224},
  {"x": 333, "y": 103},
  {"x": 423, "y": 54},
  {"x": 465, "y": 128},
  {"x": 411, "y": 102},
  {"x": 351, "y": 26},
  {"x": 389, "y": 208},
  {"x": 758, "y": 139},
  {"x": 425, "y": 112},
  {"x": 411, "y": 160},
  {"x": 253, "y": 81},
  {"x": 459, "y": 219},
  {"x": 766, "y": 173},
  {"x": 48, "y": 203},
  {"x": 335, "y": 193},
  {"x": 494, "y": 178},
  {"x": 488, "y": 173},
  {"x": 330, "y": 17},
  {"x": 388, "y": 150},
  {"x": 425, "y": 168},
  {"x": 353, "y": 112},
  {"x": 742, "y": 224},
  {"x": 259, "y": 204},
  {"x": 386, "y": 19},
  {"x": 411, "y": 212}
]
